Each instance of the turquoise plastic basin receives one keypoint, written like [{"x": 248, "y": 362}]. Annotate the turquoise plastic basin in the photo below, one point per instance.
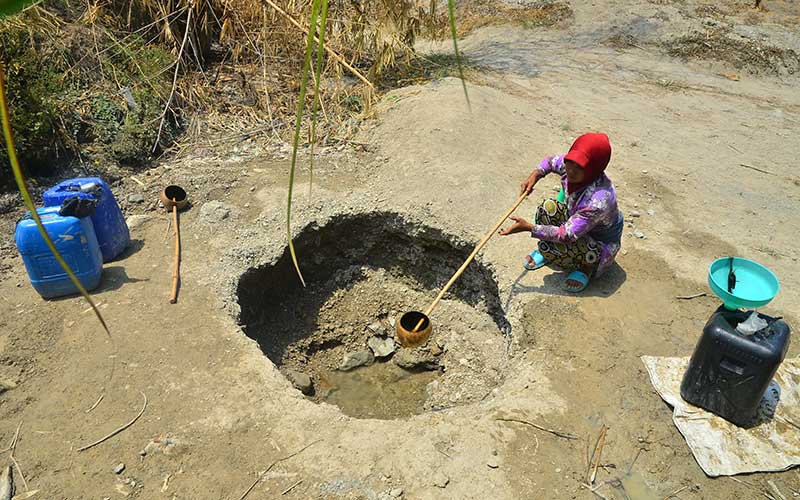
[{"x": 755, "y": 287}]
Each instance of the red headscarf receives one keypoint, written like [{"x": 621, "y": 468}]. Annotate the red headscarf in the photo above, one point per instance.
[{"x": 591, "y": 152}]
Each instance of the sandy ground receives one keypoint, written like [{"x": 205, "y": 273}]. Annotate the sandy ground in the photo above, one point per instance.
[{"x": 681, "y": 132}]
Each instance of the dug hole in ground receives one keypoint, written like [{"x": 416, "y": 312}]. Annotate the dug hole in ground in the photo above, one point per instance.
[{"x": 381, "y": 232}]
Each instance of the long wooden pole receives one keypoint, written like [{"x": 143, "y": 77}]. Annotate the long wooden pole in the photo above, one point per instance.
[
  {"x": 175, "y": 268},
  {"x": 466, "y": 263}
]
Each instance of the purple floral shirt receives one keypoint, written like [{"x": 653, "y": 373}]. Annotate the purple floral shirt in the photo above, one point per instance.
[{"x": 592, "y": 212}]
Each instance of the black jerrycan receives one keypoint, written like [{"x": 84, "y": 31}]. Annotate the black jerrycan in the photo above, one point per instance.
[{"x": 729, "y": 371}]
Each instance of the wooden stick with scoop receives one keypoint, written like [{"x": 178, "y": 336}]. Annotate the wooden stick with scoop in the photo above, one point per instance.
[
  {"x": 177, "y": 262},
  {"x": 411, "y": 337},
  {"x": 174, "y": 198}
]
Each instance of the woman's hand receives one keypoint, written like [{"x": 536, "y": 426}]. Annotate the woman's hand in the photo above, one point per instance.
[
  {"x": 527, "y": 185},
  {"x": 520, "y": 225}
]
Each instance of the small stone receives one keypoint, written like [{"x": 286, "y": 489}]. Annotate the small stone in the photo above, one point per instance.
[
  {"x": 6, "y": 385},
  {"x": 636, "y": 213},
  {"x": 136, "y": 198},
  {"x": 436, "y": 350},
  {"x": 165, "y": 445},
  {"x": 639, "y": 234},
  {"x": 300, "y": 381},
  {"x": 135, "y": 221},
  {"x": 214, "y": 211},
  {"x": 355, "y": 359},
  {"x": 381, "y": 347},
  {"x": 119, "y": 468},
  {"x": 396, "y": 493},
  {"x": 440, "y": 480},
  {"x": 252, "y": 188},
  {"x": 415, "y": 359},
  {"x": 123, "y": 490},
  {"x": 377, "y": 328},
  {"x": 644, "y": 172},
  {"x": 651, "y": 212},
  {"x": 492, "y": 463}
]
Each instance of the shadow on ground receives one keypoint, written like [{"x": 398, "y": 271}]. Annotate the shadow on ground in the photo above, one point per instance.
[{"x": 604, "y": 286}]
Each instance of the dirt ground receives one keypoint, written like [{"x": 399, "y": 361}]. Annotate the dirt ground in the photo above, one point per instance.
[{"x": 703, "y": 150}]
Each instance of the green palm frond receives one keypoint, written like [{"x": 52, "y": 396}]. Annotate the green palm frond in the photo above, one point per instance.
[
  {"x": 8, "y": 7},
  {"x": 451, "y": 12},
  {"x": 301, "y": 100},
  {"x": 318, "y": 21},
  {"x": 320, "y": 49}
]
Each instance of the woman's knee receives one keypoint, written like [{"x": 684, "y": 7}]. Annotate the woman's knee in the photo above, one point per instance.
[
  {"x": 551, "y": 213},
  {"x": 549, "y": 206}
]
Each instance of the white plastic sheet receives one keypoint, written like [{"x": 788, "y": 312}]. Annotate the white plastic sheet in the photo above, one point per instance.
[{"x": 722, "y": 448}]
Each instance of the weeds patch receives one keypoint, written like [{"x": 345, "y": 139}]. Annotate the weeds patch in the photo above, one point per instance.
[
  {"x": 480, "y": 13},
  {"x": 742, "y": 53},
  {"x": 623, "y": 41},
  {"x": 427, "y": 68}
]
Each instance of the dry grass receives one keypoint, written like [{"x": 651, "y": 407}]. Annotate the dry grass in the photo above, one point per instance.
[
  {"x": 713, "y": 11},
  {"x": 253, "y": 59},
  {"x": 742, "y": 53},
  {"x": 479, "y": 13},
  {"x": 239, "y": 70},
  {"x": 667, "y": 2},
  {"x": 623, "y": 41},
  {"x": 239, "y": 73},
  {"x": 371, "y": 35}
]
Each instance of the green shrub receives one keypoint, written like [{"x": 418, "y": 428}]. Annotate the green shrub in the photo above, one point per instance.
[{"x": 80, "y": 90}]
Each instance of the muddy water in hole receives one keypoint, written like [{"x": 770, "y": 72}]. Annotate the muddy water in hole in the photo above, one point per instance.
[
  {"x": 636, "y": 488},
  {"x": 381, "y": 390}
]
